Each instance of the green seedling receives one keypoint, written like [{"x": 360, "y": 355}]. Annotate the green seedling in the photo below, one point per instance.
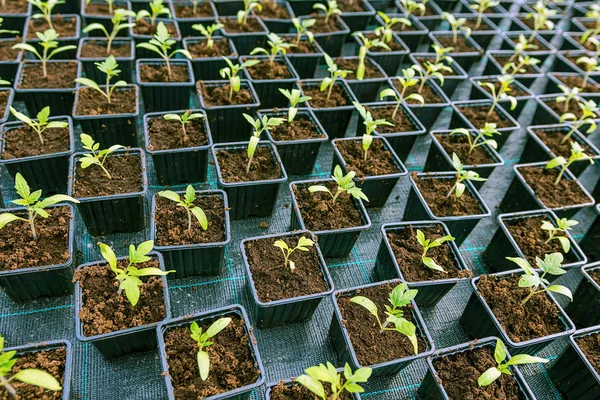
[
  {"x": 48, "y": 42},
  {"x": 231, "y": 73},
  {"x": 370, "y": 126},
  {"x": 540, "y": 16},
  {"x": 183, "y": 119},
  {"x": 330, "y": 10},
  {"x": 295, "y": 98},
  {"x": 440, "y": 55},
  {"x": 590, "y": 64},
  {"x": 568, "y": 96},
  {"x": 577, "y": 154},
  {"x": 195, "y": 4},
  {"x": 109, "y": 3},
  {"x": 129, "y": 277},
  {"x": 277, "y": 47},
  {"x": 187, "y": 202},
  {"x": 593, "y": 13},
  {"x": 366, "y": 45},
  {"x": 96, "y": 157},
  {"x": 302, "y": 29},
  {"x": 35, "y": 206},
  {"x": 345, "y": 184},
  {"x": 119, "y": 23},
  {"x": 303, "y": 245},
  {"x": 161, "y": 44},
  {"x": 4, "y": 82},
  {"x": 457, "y": 25},
  {"x": 387, "y": 30},
  {"x": 589, "y": 111},
  {"x": 462, "y": 175},
  {"x": 488, "y": 131},
  {"x": 521, "y": 46},
  {"x": 111, "y": 69},
  {"x": 399, "y": 298},
  {"x": 411, "y": 7},
  {"x": 501, "y": 93},
  {"x": 430, "y": 244},
  {"x": 407, "y": 80},
  {"x": 259, "y": 126},
  {"x": 207, "y": 32},
  {"x": 481, "y": 6},
  {"x": 157, "y": 8},
  {"x": 45, "y": 8},
  {"x": 7, "y": 31},
  {"x": 203, "y": 340},
  {"x": 41, "y": 124},
  {"x": 334, "y": 74},
  {"x": 249, "y": 6},
  {"x": 520, "y": 66},
  {"x": 557, "y": 232},
  {"x": 315, "y": 377},
  {"x": 431, "y": 70}
]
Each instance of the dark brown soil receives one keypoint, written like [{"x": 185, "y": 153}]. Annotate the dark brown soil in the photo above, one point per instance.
[
  {"x": 400, "y": 120},
  {"x": 52, "y": 361},
  {"x": 61, "y": 75},
  {"x": 219, "y": 95},
  {"x": 299, "y": 392},
  {"x": 19, "y": 250},
  {"x": 322, "y": 26},
  {"x": 122, "y": 101},
  {"x": 232, "y": 164},
  {"x": 99, "y": 8},
  {"x": 429, "y": 95},
  {"x": 460, "y": 146},
  {"x": 515, "y": 92},
  {"x": 422, "y": 60},
  {"x": 160, "y": 73},
  {"x": 505, "y": 60},
  {"x": 350, "y": 6},
  {"x": 144, "y": 28},
  {"x": 204, "y": 10},
  {"x": 434, "y": 190},
  {"x": 320, "y": 214},
  {"x": 231, "y": 362},
  {"x": 393, "y": 45},
  {"x": 275, "y": 281},
  {"x": 478, "y": 116},
  {"x": 470, "y": 23},
  {"x": 7, "y": 53},
  {"x": 536, "y": 319},
  {"x": 553, "y": 141},
  {"x": 66, "y": 28},
  {"x": 15, "y": 7},
  {"x": 319, "y": 99},
  {"x": 379, "y": 159},
  {"x": 461, "y": 45},
  {"x": 590, "y": 346},
  {"x": 300, "y": 128},
  {"x": 4, "y": 95},
  {"x": 172, "y": 222},
  {"x": 97, "y": 49},
  {"x": 576, "y": 81},
  {"x": 408, "y": 252},
  {"x": 266, "y": 70},
  {"x": 25, "y": 142},
  {"x": 352, "y": 65},
  {"x": 231, "y": 25},
  {"x": 458, "y": 374},
  {"x": 558, "y": 108},
  {"x": 199, "y": 49},
  {"x": 536, "y": 42},
  {"x": 126, "y": 173},
  {"x": 302, "y": 47},
  {"x": 166, "y": 135},
  {"x": 541, "y": 181},
  {"x": 272, "y": 10},
  {"x": 105, "y": 310},
  {"x": 370, "y": 344}
]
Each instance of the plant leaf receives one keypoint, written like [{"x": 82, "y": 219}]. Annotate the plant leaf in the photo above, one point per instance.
[
  {"x": 366, "y": 303},
  {"x": 38, "y": 378},
  {"x": 217, "y": 327},
  {"x": 203, "y": 364},
  {"x": 312, "y": 384},
  {"x": 108, "y": 254},
  {"x": 561, "y": 290},
  {"x": 489, "y": 376}
]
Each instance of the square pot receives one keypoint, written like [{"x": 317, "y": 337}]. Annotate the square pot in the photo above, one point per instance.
[
  {"x": 483, "y": 36},
  {"x": 414, "y": 36},
  {"x": 367, "y": 89},
  {"x": 451, "y": 82},
  {"x": 512, "y": 124},
  {"x": 279, "y": 25},
  {"x": 290, "y": 382},
  {"x": 359, "y": 20},
  {"x": 556, "y": 78},
  {"x": 466, "y": 59},
  {"x": 15, "y": 20},
  {"x": 268, "y": 89},
  {"x": 389, "y": 61},
  {"x": 163, "y": 96},
  {"x": 8, "y": 69},
  {"x": 429, "y": 18},
  {"x": 102, "y": 19},
  {"x": 305, "y": 64},
  {"x": 586, "y": 299},
  {"x": 589, "y": 244},
  {"x": 332, "y": 43},
  {"x": 138, "y": 38},
  {"x": 479, "y": 93},
  {"x": 207, "y": 68},
  {"x": 62, "y": 40},
  {"x": 494, "y": 67},
  {"x": 125, "y": 63},
  {"x": 185, "y": 23},
  {"x": 246, "y": 41},
  {"x": 544, "y": 49}
]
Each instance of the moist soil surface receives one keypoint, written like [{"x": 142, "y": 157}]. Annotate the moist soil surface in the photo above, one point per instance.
[
  {"x": 105, "y": 310},
  {"x": 302, "y": 127},
  {"x": 576, "y": 81},
  {"x": 19, "y": 250},
  {"x": 429, "y": 95},
  {"x": 541, "y": 181},
  {"x": 539, "y": 317},
  {"x": 271, "y": 10},
  {"x": 97, "y": 49},
  {"x": 167, "y": 135},
  {"x": 15, "y": 7},
  {"x": 319, "y": 99},
  {"x": 60, "y": 75},
  {"x": 7, "y": 53},
  {"x": 219, "y": 95},
  {"x": 379, "y": 159},
  {"x": 352, "y": 65},
  {"x": 460, "y": 146},
  {"x": 529, "y": 69},
  {"x": 4, "y": 95},
  {"x": 458, "y": 374},
  {"x": 231, "y": 362},
  {"x": 126, "y": 177},
  {"x": 302, "y": 47},
  {"x": 595, "y": 275},
  {"x": 351, "y": 6},
  {"x": 434, "y": 190},
  {"x": 323, "y": 26},
  {"x": 160, "y": 73},
  {"x": 408, "y": 252},
  {"x": 372, "y": 346},
  {"x": 231, "y": 25},
  {"x": 422, "y": 60},
  {"x": 471, "y": 23},
  {"x": 553, "y": 141},
  {"x": 267, "y": 70},
  {"x": 461, "y": 45},
  {"x": 122, "y": 101},
  {"x": 478, "y": 116},
  {"x": 98, "y": 8},
  {"x": 172, "y": 222},
  {"x": 233, "y": 163},
  {"x": 299, "y": 392},
  {"x": 65, "y": 27},
  {"x": 144, "y": 28},
  {"x": 204, "y": 10},
  {"x": 199, "y": 49},
  {"x": 273, "y": 280},
  {"x": 320, "y": 214},
  {"x": 590, "y": 346},
  {"x": 400, "y": 120},
  {"x": 53, "y": 361},
  {"x": 25, "y": 142}
]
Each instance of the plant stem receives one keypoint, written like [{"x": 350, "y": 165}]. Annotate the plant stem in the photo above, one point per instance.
[
  {"x": 249, "y": 162},
  {"x": 479, "y": 19},
  {"x": 230, "y": 91},
  {"x": 568, "y": 135},
  {"x": 452, "y": 189},
  {"x": 396, "y": 109},
  {"x": 560, "y": 174},
  {"x": 492, "y": 108},
  {"x": 108, "y": 88},
  {"x": 189, "y": 219},
  {"x": 32, "y": 224},
  {"x": 9, "y": 388},
  {"x": 330, "y": 90}
]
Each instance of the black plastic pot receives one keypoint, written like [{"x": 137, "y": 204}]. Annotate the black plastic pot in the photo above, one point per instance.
[
  {"x": 479, "y": 322},
  {"x": 478, "y": 93},
  {"x": 545, "y": 115},
  {"x": 336, "y": 243},
  {"x": 493, "y": 67},
  {"x": 139, "y": 38},
  {"x": 205, "y": 259},
  {"x": 62, "y": 40},
  {"x": 163, "y": 96},
  {"x": 428, "y": 20},
  {"x": 466, "y": 59},
  {"x": 290, "y": 382},
  {"x": 207, "y": 68},
  {"x": 26, "y": 284},
  {"x": 377, "y": 188},
  {"x": 254, "y": 198},
  {"x": 567, "y": 62},
  {"x": 586, "y": 300},
  {"x": 554, "y": 81},
  {"x": 235, "y": 310},
  {"x": 541, "y": 52},
  {"x": 482, "y": 37},
  {"x": 125, "y": 63},
  {"x": 500, "y": 112},
  {"x": 245, "y": 42},
  {"x": 114, "y": 213},
  {"x": 589, "y": 244},
  {"x": 332, "y": 43},
  {"x": 126, "y": 341},
  {"x": 104, "y": 20},
  {"x": 413, "y": 37},
  {"x": 279, "y": 25},
  {"x": 268, "y": 89},
  {"x": 185, "y": 24},
  {"x": 137, "y": 5},
  {"x": 386, "y": 266},
  {"x": 8, "y": 69},
  {"x": 358, "y": 21},
  {"x": 305, "y": 64},
  {"x": 15, "y": 21},
  {"x": 460, "y": 226},
  {"x": 451, "y": 82},
  {"x": 47, "y": 172},
  {"x": 345, "y": 349},
  {"x": 367, "y": 89},
  {"x": 183, "y": 165}
]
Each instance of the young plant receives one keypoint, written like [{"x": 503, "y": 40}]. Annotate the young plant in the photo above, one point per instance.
[
  {"x": 161, "y": 44},
  {"x": 590, "y": 64},
  {"x": 41, "y": 124},
  {"x": 195, "y": 6},
  {"x": 3, "y": 82},
  {"x": 462, "y": 175},
  {"x": 440, "y": 54},
  {"x": 111, "y": 69},
  {"x": 540, "y": 18},
  {"x": 577, "y": 154},
  {"x": 407, "y": 80},
  {"x": 96, "y": 157},
  {"x": 531, "y": 279},
  {"x": 128, "y": 277},
  {"x": 430, "y": 244},
  {"x": 411, "y": 7},
  {"x": 520, "y": 66},
  {"x": 589, "y": 111},
  {"x": 277, "y": 46},
  {"x": 157, "y": 8},
  {"x": 555, "y": 232},
  {"x": 457, "y": 25},
  {"x": 302, "y": 29},
  {"x": 203, "y": 341},
  {"x": 45, "y": 8},
  {"x": 387, "y": 30},
  {"x": 501, "y": 93},
  {"x": 48, "y": 42},
  {"x": 315, "y": 377},
  {"x": 231, "y": 73},
  {"x": 330, "y": 10},
  {"x": 493, "y": 373},
  {"x": 31, "y": 376},
  {"x": 110, "y": 4},
  {"x": 7, "y": 31},
  {"x": 366, "y": 45},
  {"x": 481, "y": 6},
  {"x": 567, "y": 96},
  {"x": 119, "y": 23},
  {"x": 207, "y": 32},
  {"x": 249, "y": 6},
  {"x": 259, "y": 127},
  {"x": 345, "y": 184},
  {"x": 294, "y": 97},
  {"x": 370, "y": 126},
  {"x": 303, "y": 244},
  {"x": 334, "y": 74},
  {"x": 431, "y": 70},
  {"x": 400, "y": 297},
  {"x": 488, "y": 131},
  {"x": 187, "y": 202},
  {"x": 183, "y": 119}
]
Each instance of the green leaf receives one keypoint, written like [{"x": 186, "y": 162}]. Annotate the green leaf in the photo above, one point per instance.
[
  {"x": 318, "y": 188},
  {"x": 21, "y": 186},
  {"x": 168, "y": 194},
  {"x": 522, "y": 263},
  {"x": 362, "y": 374},
  {"x": 460, "y": 189},
  {"x": 527, "y": 281},
  {"x": 21, "y": 117},
  {"x": 366, "y": 303},
  {"x": 190, "y": 194},
  {"x": 88, "y": 82},
  {"x": 217, "y": 327},
  {"x": 561, "y": 290},
  {"x": 430, "y": 263},
  {"x": 499, "y": 352},
  {"x": 521, "y": 359},
  {"x": 565, "y": 243},
  {"x": 108, "y": 254},
  {"x": 38, "y": 378},
  {"x": 312, "y": 384},
  {"x": 57, "y": 198},
  {"x": 281, "y": 244},
  {"x": 203, "y": 364},
  {"x": 556, "y": 162},
  {"x": 140, "y": 254},
  {"x": 489, "y": 376},
  {"x": 387, "y": 93},
  {"x": 150, "y": 271},
  {"x": 200, "y": 216},
  {"x": 7, "y": 218},
  {"x": 353, "y": 388},
  {"x": 132, "y": 290}
]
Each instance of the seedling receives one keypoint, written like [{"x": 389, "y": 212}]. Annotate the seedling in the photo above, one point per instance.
[
  {"x": 457, "y": 25},
  {"x": 31, "y": 376},
  {"x": 407, "y": 80},
  {"x": 45, "y": 8},
  {"x": 430, "y": 244},
  {"x": 387, "y": 30},
  {"x": 512, "y": 68},
  {"x": 48, "y": 42},
  {"x": 294, "y": 97},
  {"x": 481, "y": 6},
  {"x": 7, "y": 31},
  {"x": 551, "y": 264},
  {"x": 462, "y": 175},
  {"x": 540, "y": 18},
  {"x": 110, "y": 4},
  {"x": 187, "y": 202},
  {"x": 567, "y": 96},
  {"x": 203, "y": 340},
  {"x": 493, "y": 373},
  {"x": 594, "y": 14},
  {"x": 259, "y": 127},
  {"x": 555, "y": 232},
  {"x": 207, "y": 32},
  {"x": 249, "y": 6},
  {"x": 440, "y": 54},
  {"x": 303, "y": 245},
  {"x": 431, "y": 70},
  {"x": 3, "y": 82},
  {"x": 334, "y": 74},
  {"x": 370, "y": 126},
  {"x": 521, "y": 46},
  {"x": 195, "y": 6},
  {"x": 161, "y": 44},
  {"x": 590, "y": 64},
  {"x": 366, "y": 45},
  {"x": 231, "y": 72},
  {"x": 157, "y": 8},
  {"x": 119, "y": 23},
  {"x": 589, "y": 111},
  {"x": 302, "y": 29},
  {"x": 400, "y": 297},
  {"x": 183, "y": 119},
  {"x": 41, "y": 124},
  {"x": 488, "y": 131},
  {"x": 111, "y": 69},
  {"x": 277, "y": 46},
  {"x": 577, "y": 154},
  {"x": 315, "y": 377},
  {"x": 411, "y": 7},
  {"x": 128, "y": 277},
  {"x": 345, "y": 184},
  {"x": 501, "y": 93},
  {"x": 330, "y": 10},
  {"x": 97, "y": 157}
]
